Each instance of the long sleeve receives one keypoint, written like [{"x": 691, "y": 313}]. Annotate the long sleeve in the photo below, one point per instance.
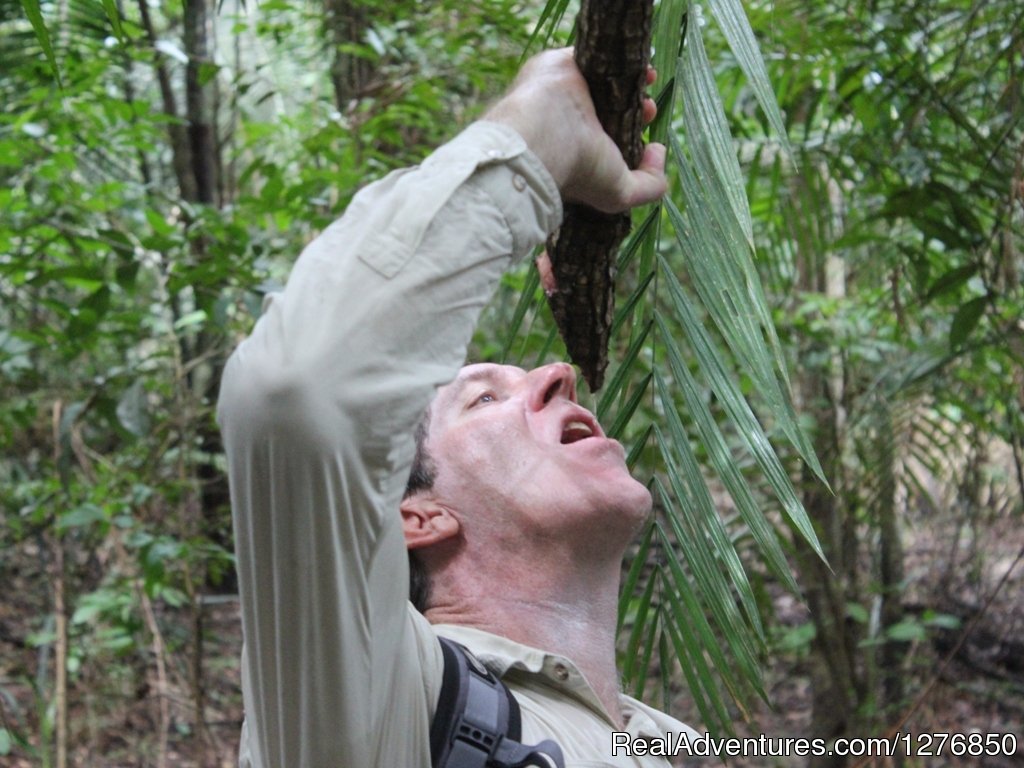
[{"x": 317, "y": 410}]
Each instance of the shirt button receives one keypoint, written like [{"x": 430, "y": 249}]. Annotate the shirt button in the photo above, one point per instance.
[
  {"x": 561, "y": 672},
  {"x": 494, "y": 154},
  {"x": 519, "y": 182}
]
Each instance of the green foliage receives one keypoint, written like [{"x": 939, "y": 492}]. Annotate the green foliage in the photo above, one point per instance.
[
  {"x": 122, "y": 288},
  {"x": 846, "y": 206},
  {"x": 35, "y": 16},
  {"x": 894, "y": 254}
]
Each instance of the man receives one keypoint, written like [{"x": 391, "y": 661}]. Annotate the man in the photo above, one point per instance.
[{"x": 520, "y": 509}]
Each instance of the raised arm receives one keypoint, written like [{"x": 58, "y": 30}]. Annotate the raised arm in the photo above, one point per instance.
[{"x": 318, "y": 406}]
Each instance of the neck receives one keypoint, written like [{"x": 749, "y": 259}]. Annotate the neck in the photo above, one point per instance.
[{"x": 571, "y": 612}]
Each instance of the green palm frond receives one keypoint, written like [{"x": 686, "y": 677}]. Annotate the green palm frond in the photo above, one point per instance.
[
  {"x": 84, "y": 24},
  {"x": 35, "y": 15},
  {"x": 547, "y": 26},
  {"x": 677, "y": 394},
  {"x": 738, "y": 34},
  {"x": 114, "y": 16}
]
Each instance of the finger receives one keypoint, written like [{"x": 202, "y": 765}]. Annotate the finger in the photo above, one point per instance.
[
  {"x": 649, "y": 106},
  {"x": 547, "y": 275},
  {"x": 650, "y": 110},
  {"x": 647, "y": 183}
]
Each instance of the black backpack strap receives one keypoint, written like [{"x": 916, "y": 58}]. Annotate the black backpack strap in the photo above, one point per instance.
[{"x": 478, "y": 723}]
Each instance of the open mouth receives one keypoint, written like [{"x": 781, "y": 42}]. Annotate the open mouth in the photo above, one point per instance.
[{"x": 575, "y": 430}]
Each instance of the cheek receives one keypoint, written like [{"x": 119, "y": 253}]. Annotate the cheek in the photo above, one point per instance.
[{"x": 482, "y": 461}]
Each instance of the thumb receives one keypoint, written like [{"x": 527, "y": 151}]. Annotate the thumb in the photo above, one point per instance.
[{"x": 647, "y": 183}]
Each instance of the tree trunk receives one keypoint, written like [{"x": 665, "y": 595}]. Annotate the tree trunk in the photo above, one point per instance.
[
  {"x": 181, "y": 155},
  {"x": 346, "y": 26},
  {"x": 833, "y": 701},
  {"x": 835, "y": 684},
  {"x": 612, "y": 49},
  {"x": 892, "y": 653},
  {"x": 200, "y": 100}
]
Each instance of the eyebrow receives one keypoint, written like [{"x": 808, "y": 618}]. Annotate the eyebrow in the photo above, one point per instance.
[{"x": 462, "y": 383}]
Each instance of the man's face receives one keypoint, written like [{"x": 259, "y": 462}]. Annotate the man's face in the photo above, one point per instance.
[{"x": 516, "y": 455}]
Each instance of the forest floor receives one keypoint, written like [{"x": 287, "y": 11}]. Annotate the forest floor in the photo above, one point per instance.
[{"x": 955, "y": 682}]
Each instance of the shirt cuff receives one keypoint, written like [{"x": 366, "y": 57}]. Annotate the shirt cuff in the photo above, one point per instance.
[{"x": 517, "y": 181}]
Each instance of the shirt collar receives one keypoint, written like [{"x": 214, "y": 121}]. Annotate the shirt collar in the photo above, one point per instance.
[{"x": 501, "y": 655}]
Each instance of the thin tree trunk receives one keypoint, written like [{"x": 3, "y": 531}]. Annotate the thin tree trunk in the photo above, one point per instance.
[
  {"x": 612, "y": 50},
  {"x": 181, "y": 155},
  {"x": 200, "y": 100},
  {"x": 890, "y": 571},
  {"x": 346, "y": 24},
  {"x": 834, "y": 677},
  {"x": 60, "y": 662},
  {"x": 832, "y": 667},
  {"x": 163, "y": 692},
  {"x": 61, "y": 654}
]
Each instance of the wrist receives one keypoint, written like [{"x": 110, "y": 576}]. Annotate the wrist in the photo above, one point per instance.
[{"x": 555, "y": 153}]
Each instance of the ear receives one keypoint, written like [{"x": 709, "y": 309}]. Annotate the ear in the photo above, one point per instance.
[{"x": 426, "y": 522}]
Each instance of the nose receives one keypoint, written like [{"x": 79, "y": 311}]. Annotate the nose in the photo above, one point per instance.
[{"x": 551, "y": 381}]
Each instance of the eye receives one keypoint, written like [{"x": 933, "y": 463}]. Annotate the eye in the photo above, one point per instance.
[{"x": 486, "y": 397}]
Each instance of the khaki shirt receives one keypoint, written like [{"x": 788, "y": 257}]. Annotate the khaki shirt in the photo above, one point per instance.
[{"x": 317, "y": 409}]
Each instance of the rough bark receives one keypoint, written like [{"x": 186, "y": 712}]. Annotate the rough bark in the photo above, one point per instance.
[{"x": 612, "y": 50}]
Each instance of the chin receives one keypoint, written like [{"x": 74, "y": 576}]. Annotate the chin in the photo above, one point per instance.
[
  {"x": 643, "y": 502},
  {"x": 630, "y": 502}
]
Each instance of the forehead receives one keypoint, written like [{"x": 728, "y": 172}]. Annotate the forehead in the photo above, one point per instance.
[{"x": 477, "y": 373}]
